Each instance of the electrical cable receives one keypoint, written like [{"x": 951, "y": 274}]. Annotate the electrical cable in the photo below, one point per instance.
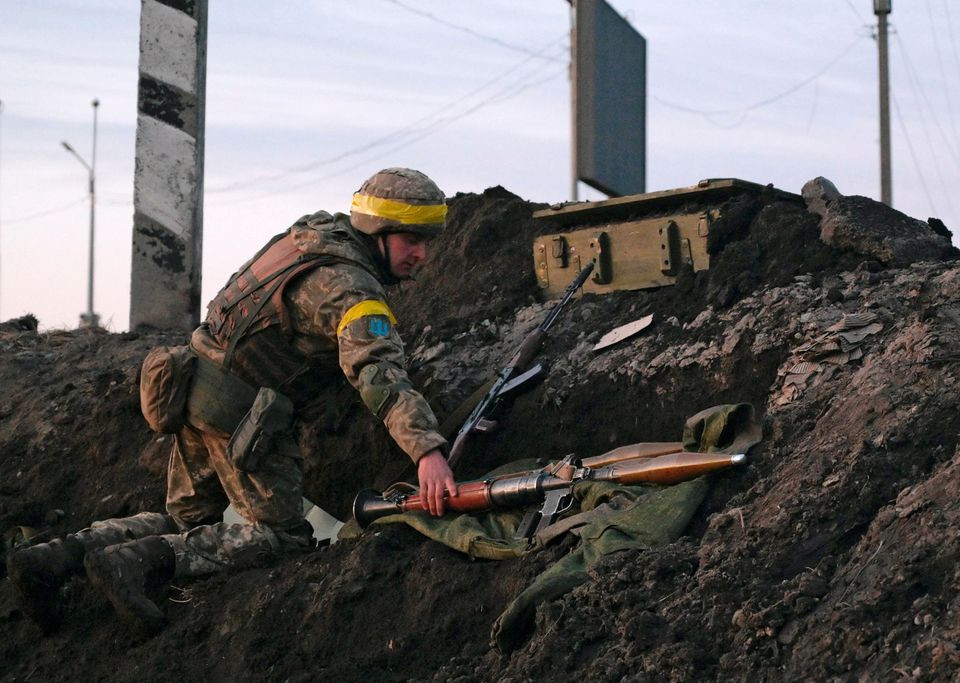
[
  {"x": 913, "y": 154},
  {"x": 813, "y": 105},
  {"x": 918, "y": 89},
  {"x": 470, "y": 31},
  {"x": 913, "y": 78},
  {"x": 953, "y": 38},
  {"x": 943, "y": 75},
  {"x": 857, "y": 12},
  {"x": 47, "y": 212},
  {"x": 504, "y": 94},
  {"x": 389, "y": 138},
  {"x": 707, "y": 113}
]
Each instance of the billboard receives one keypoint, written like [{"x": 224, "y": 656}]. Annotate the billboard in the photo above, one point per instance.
[{"x": 610, "y": 100}]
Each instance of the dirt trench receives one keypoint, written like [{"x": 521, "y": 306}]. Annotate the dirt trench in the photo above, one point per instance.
[{"x": 832, "y": 556}]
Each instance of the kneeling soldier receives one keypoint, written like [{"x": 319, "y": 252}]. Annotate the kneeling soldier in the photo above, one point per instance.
[{"x": 309, "y": 304}]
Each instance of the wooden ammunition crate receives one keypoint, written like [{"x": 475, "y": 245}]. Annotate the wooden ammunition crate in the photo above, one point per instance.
[{"x": 632, "y": 248}]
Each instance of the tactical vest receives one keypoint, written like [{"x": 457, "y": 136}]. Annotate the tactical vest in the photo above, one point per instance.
[
  {"x": 253, "y": 299},
  {"x": 249, "y": 319}
]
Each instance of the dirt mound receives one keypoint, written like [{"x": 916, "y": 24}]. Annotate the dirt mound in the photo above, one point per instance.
[{"x": 832, "y": 555}]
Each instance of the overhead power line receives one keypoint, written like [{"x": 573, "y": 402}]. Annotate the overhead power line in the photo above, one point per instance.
[
  {"x": 426, "y": 122},
  {"x": 46, "y": 212},
  {"x": 707, "y": 113},
  {"x": 856, "y": 11},
  {"x": 953, "y": 37},
  {"x": 913, "y": 155},
  {"x": 508, "y": 92},
  {"x": 913, "y": 78},
  {"x": 947, "y": 92},
  {"x": 923, "y": 102},
  {"x": 473, "y": 32}
]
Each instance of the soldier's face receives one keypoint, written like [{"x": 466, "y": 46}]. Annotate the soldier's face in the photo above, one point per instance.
[{"x": 407, "y": 251}]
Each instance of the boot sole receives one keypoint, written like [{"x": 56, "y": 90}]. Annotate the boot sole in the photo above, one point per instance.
[{"x": 132, "y": 606}]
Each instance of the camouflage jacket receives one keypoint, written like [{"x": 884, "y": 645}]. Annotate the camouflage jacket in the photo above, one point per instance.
[{"x": 335, "y": 321}]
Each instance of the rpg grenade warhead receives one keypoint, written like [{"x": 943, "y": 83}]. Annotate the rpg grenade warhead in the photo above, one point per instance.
[{"x": 399, "y": 200}]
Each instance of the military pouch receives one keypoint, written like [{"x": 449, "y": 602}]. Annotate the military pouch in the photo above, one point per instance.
[
  {"x": 269, "y": 418},
  {"x": 165, "y": 385}
]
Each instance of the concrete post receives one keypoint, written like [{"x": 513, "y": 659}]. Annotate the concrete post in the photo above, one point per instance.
[
  {"x": 882, "y": 9},
  {"x": 168, "y": 177}
]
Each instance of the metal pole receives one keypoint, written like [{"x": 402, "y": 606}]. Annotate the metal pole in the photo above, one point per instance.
[
  {"x": 1, "y": 222},
  {"x": 92, "y": 320},
  {"x": 89, "y": 318},
  {"x": 882, "y": 8},
  {"x": 573, "y": 100}
]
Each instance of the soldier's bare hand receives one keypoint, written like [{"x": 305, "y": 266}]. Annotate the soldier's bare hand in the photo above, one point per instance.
[{"x": 435, "y": 478}]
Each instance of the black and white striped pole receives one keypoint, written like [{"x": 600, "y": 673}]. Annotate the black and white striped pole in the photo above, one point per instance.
[{"x": 168, "y": 176}]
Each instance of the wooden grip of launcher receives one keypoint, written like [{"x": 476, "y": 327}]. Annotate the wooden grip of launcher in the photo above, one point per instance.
[
  {"x": 667, "y": 469},
  {"x": 474, "y": 495}
]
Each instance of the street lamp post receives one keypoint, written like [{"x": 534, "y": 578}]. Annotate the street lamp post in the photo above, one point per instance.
[{"x": 89, "y": 319}]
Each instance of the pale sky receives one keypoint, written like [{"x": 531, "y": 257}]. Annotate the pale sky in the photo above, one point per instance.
[{"x": 306, "y": 99}]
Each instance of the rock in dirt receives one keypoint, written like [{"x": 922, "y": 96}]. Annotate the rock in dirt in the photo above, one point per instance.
[
  {"x": 879, "y": 232},
  {"x": 818, "y": 193}
]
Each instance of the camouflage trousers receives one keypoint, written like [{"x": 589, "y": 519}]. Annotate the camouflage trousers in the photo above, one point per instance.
[
  {"x": 201, "y": 483},
  {"x": 203, "y": 550}
]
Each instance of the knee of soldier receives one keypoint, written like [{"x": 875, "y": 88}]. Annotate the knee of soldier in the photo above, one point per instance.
[
  {"x": 295, "y": 538},
  {"x": 187, "y": 518}
]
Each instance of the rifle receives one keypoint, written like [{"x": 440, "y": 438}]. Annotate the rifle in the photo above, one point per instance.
[
  {"x": 508, "y": 378},
  {"x": 552, "y": 485}
]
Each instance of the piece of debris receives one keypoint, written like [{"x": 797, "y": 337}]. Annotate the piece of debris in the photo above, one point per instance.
[
  {"x": 838, "y": 345},
  {"x": 618, "y": 334}
]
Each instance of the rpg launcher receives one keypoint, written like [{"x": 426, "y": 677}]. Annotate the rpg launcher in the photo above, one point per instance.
[
  {"x": 512, "y": 374},
  {"x": 552, "y": 485}
]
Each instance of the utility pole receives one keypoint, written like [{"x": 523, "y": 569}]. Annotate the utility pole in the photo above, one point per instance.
[
  {"x": 1, "y": 202},
  {"x": 573, "y": 101},
  {"x": 882, "y": 8},
  {"x": 168, "y": 177},
  {"x": 89, "y": 319}
]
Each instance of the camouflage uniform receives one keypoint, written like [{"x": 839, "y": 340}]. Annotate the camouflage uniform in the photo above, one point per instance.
[
  {"x": 307, "y": 310},
  {"x": 339, "y": 326}
]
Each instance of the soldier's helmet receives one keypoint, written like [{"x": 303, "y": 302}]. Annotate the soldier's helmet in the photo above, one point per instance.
[{"x": 399, "y": 200}]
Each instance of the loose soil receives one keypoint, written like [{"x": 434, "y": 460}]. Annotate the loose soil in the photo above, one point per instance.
[{"x": 832, "y": 556}]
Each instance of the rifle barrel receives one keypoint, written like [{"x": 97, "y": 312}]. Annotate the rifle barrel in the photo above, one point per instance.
[{"x": 567, "y": 293}]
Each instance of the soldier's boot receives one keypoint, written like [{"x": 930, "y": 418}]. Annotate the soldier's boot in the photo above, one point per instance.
[
  {"x": 125, "y": 573},
  {"x": 37, "y": 574}
]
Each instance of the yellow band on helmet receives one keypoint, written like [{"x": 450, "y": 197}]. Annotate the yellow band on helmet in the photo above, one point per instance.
[
  {"x": 365, "y": 308},
  {"x": 407, "y": 214}
]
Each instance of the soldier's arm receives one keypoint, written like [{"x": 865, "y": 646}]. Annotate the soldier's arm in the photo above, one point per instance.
[{"x": 348, "y": 305}]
